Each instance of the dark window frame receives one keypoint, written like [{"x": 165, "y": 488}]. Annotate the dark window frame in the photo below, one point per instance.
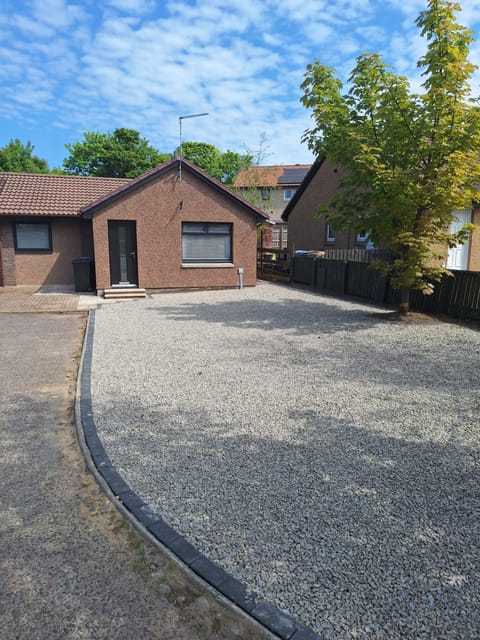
[
  {"x": 46, "y": 223},
  {"x": 201, "y": 235}
]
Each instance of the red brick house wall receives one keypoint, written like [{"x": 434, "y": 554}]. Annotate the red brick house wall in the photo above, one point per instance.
[
  {"x": 55, "y": 267},
  {"x": 308, "y": 231},
  {"x": 474, "y": 256},
  {"x": 159, "y": 207},
  {"x": 8, "y": 276},
  {"x": 78, "y": 210}
]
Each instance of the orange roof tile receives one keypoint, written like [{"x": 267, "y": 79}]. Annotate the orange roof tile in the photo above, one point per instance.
[
  {"x": 48, "y": 194},
  {"x": 266, "y": 176}
]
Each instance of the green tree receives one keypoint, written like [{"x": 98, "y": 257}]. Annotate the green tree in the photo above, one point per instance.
[
  {"x": 121, "y": 154},
  {"x": 411, "y": 159},
  {"x": 19, "y": 158},
  {"x": 223, "y": 166},
  {"x": 254, "y": 182}
]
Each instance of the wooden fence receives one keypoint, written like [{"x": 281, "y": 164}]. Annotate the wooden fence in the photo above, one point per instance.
[
  {"x": 457, "y": 295},
  {"x": 357, "y": 254},
  {"x": 273, "y": 264}
]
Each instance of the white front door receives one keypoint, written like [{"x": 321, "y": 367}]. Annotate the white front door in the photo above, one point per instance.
[{"x": 458, "y": 256}]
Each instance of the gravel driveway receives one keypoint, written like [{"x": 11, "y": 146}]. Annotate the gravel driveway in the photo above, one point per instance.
[
  {"x": 70, "y": 567},
  {"x": 322, "y": 455}
]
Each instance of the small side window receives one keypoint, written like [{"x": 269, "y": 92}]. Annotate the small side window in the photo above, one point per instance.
[
  {"x": 330, "y": 235},
  {"x": 288, "y": 194}
]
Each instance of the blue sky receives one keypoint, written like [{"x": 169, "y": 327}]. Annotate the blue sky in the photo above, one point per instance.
[{"x": 68, "y": 66}]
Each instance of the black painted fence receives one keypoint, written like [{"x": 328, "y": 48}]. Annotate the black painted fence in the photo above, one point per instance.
[{"x": 457, "y": 295}]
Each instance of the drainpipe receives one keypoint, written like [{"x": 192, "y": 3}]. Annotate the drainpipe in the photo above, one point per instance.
[{"x": 240, "y": 277}]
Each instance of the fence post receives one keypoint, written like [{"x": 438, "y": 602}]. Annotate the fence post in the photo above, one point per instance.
[
  {"x": 444, "y": 299},
  {"x": 292, "y": 270},
  {"x": 314, "y": 274}
]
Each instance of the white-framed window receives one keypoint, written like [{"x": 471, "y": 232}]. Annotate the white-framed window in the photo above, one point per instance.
[
  {"x": 288, "y": 194},
  {"x": 362, "y": 236},
  {"x": 32, "y": 236},
  {"x": 206, "y": 242},
  {"x": 330, "y": 234}
]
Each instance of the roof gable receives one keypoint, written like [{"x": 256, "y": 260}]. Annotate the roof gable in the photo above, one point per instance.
[
  {"x": 176, "y": 164},
  {"x": 31, "y": 194},
  {"x": 298, "y": 193}
]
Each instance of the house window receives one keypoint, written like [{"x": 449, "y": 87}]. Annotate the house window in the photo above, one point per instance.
[
  {"x": 276, "y": 234},
  {"x": 362, "y": 236},
  {"x": 32, "y": 236},
  {"x": 206, "y": 242},
  {"x": 288, "y": 194},
  {"x": 265, "y": 194},
  {"x": 330, "y": 235}
]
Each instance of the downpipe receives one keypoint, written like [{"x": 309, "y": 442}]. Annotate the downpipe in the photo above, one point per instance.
[{"x": 240, "y": 277}]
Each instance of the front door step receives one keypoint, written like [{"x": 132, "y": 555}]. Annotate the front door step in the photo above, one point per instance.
[{"x": 127, "y": 292}]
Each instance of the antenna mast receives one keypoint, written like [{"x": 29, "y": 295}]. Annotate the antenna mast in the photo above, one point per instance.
[{"x": 194, "y": 115}]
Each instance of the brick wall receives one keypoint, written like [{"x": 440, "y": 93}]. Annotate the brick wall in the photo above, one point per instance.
[
  {"x": 7, "y": 255},
  {"x": 39, "y": 268},
  {"x": 474, "y": 256},
  {"x": 159, "y": 208},
  {"x": 306, "y": 230}
]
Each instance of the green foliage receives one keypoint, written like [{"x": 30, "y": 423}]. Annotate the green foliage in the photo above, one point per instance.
[
  {"x": 124, "y": 154},
  {"x": 410, "y": 159},
  {"x": 223, "y": 166},
  {"x": 121, "y": 154},
  {"x": 253, "y": 183},
  {"x": 231, "y": 163},
  {"x": 17, "y": 157}
]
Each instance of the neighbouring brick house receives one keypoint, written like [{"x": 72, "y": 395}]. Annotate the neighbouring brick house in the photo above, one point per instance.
[
  {"x": 173, "y": 227},
  {"x": 272, "y": 188},
  {"x": 308, "y": 231}
]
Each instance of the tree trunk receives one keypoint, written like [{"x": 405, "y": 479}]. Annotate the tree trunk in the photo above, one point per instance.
[{"x": 404, "y": 300}]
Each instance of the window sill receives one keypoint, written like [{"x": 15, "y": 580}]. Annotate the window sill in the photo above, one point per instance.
[
  {"x": 207, "y": 265},
  {"x": 35, "y": 251}
]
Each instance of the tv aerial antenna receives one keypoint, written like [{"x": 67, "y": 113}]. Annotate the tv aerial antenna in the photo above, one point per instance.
[{"x": 180, "y": 120}]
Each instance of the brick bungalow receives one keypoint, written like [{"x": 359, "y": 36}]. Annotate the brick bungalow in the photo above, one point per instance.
[
  {"x": 310, "y": 232},
  {"x": 173, "y": 227}
]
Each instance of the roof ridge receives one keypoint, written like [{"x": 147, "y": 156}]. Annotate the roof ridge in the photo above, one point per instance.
[
  {"x": 167, "y": 166},
  {"x": 60, "y": 175}
]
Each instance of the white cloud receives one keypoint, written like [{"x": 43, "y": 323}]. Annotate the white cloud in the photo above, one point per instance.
[
  {"x": 132, "y": 6},
  {"x": 140, "y": 63},
  {"x": 33, "y": 28},
  {"x": 56, "y": 13}
]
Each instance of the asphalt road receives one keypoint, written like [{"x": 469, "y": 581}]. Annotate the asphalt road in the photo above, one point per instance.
[{"x": 70, "y": 567}]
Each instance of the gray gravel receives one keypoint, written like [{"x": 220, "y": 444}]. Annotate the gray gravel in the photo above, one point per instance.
[{"x": 324, "y": 456}]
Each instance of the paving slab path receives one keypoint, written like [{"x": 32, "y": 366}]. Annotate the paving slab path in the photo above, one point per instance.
[{"x": 70, "y": 566}]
